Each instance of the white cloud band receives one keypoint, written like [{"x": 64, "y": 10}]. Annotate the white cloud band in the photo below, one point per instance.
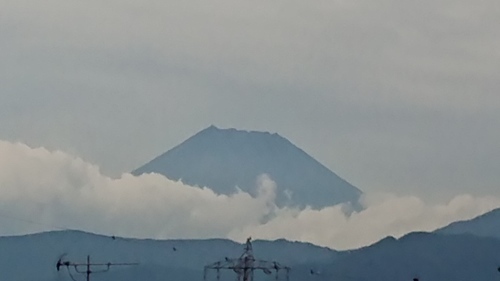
[{"x": 52, "y": 189}]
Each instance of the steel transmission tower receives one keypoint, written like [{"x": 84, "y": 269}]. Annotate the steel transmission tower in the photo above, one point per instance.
[{"x": 245, "y": 265}]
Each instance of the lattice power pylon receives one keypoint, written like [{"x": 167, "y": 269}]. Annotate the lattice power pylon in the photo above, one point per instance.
[{"x": 245, "y": 265}]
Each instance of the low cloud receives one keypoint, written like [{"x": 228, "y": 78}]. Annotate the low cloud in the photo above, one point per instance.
[
  {"x": 385, "y": 215},
  {"x": 43, "y": 190},
  {"x": 57, "y": 189}
]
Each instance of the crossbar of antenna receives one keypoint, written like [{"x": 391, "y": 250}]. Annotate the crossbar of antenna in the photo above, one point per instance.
[{"x": 87, "y": 267}]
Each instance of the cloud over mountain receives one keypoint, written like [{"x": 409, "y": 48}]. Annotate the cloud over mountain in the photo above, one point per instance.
[
  {"x": 42, "y": 189},
  {"x": 55, "y": 188}
]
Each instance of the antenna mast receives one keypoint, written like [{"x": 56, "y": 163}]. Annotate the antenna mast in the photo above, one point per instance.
[{"x": 87, "y": 268}]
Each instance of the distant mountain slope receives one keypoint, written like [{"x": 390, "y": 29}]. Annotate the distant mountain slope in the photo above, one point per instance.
[
  {"x": 427, "y": 256},
  {"x": 33, "y": 257},
  {"x": 224, "y": 159},
  {"x": 486, "y": 225}
]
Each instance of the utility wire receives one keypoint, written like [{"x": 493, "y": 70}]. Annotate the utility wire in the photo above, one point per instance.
[
  {"x": 27, "y": 221},
  {"x": 33, "y": 222}
]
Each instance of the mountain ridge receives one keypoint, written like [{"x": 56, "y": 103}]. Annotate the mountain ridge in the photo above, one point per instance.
[
  {"x": 428, "y": 256},
  {"x": 485, "y": 225},
  {"x": 42, "y": 250}
]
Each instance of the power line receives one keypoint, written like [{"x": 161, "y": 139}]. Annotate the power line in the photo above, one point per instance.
[
  {"x": 27, "y": 221},
  {"x": 9, "y": 216}
]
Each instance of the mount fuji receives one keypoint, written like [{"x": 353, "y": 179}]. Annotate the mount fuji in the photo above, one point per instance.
[{"x": 226, "y": 160}]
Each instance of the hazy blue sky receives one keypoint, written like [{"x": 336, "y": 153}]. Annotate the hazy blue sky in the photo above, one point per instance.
[{"x": 396, "y": 96}]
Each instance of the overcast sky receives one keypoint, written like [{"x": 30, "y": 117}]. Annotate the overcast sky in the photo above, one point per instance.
[{"x": 393, "y": 96}]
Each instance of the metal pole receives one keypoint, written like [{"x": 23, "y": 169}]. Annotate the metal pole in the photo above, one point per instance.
[{"x": 88, "y": 268}]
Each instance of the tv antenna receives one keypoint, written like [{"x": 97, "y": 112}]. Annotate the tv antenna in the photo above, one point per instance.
[
  {"x": 86, "y": 268},
  {"x": 245, "y": 265}
]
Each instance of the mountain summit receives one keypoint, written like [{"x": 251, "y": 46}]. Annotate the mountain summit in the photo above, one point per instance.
[{"x": 223, "y": 159}]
